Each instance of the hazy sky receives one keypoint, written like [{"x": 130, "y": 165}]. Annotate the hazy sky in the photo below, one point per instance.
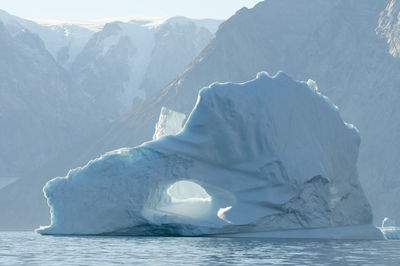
[{"x": 95, "y": 9}]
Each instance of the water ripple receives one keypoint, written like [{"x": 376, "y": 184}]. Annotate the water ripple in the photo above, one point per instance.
[{"x": 27, "y": 248}]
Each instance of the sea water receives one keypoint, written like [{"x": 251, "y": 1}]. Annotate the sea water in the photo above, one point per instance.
[{"x": 29, "y": 248}]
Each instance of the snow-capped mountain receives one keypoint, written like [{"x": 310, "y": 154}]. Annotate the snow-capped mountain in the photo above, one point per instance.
[
  {"x": 62, "y": 39},
  {"x": 41, "y": 113},
  {"x": 61, "y": 84},
  {"x": 126, "y": 62},
  {"x": 349, "y": 47},
  {"x": 35, "y": 102}
]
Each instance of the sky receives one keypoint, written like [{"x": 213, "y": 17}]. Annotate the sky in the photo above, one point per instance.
[{"x": 98, "y": 9}]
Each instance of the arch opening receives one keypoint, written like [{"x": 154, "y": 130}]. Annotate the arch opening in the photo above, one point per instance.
[
  {"x": 187, "y": 198},
  {"x": 186, "y": 192}
]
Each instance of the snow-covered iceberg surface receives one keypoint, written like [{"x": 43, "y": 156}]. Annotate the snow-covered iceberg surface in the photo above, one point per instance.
[{"x": 269, "y": 155}]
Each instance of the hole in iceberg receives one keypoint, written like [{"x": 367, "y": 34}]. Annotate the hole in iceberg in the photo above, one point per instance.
[
  {"x": 187, "y": 199},
  {"x": 186, "y": 192}
]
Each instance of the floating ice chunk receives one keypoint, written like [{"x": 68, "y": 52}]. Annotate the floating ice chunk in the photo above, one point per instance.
[{"x": 268, "y": 155}]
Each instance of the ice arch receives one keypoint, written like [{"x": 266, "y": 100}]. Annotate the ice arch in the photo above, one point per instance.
[{"x": 273, "y": 154}]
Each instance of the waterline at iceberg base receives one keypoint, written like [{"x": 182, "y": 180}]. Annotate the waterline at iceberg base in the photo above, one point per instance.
[{"x": 270, "y": 157}]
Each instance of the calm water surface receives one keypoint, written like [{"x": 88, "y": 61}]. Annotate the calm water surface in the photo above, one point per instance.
[{"x": 28, "y": 248}]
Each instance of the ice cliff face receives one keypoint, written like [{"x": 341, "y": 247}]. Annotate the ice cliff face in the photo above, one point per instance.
[{"x": 266, "y": 155}]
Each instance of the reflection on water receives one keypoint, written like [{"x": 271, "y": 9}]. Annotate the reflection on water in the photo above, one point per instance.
[{"x": 23, "y": 248}]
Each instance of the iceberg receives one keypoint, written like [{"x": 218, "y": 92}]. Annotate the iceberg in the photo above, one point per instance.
[{"x": 270, "y": 157}]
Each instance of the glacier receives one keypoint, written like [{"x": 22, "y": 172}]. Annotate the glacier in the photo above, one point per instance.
[{"x": 270, "y": 157}]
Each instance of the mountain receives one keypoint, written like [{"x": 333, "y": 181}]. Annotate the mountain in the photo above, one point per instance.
[
  {"x": 126, "y": 62},
  {"x": 62, "y": 84},
  {"x": 37, "y": 104},
  {"x": 62, "y": 39},
  {"x": 349, "y": 47}
]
